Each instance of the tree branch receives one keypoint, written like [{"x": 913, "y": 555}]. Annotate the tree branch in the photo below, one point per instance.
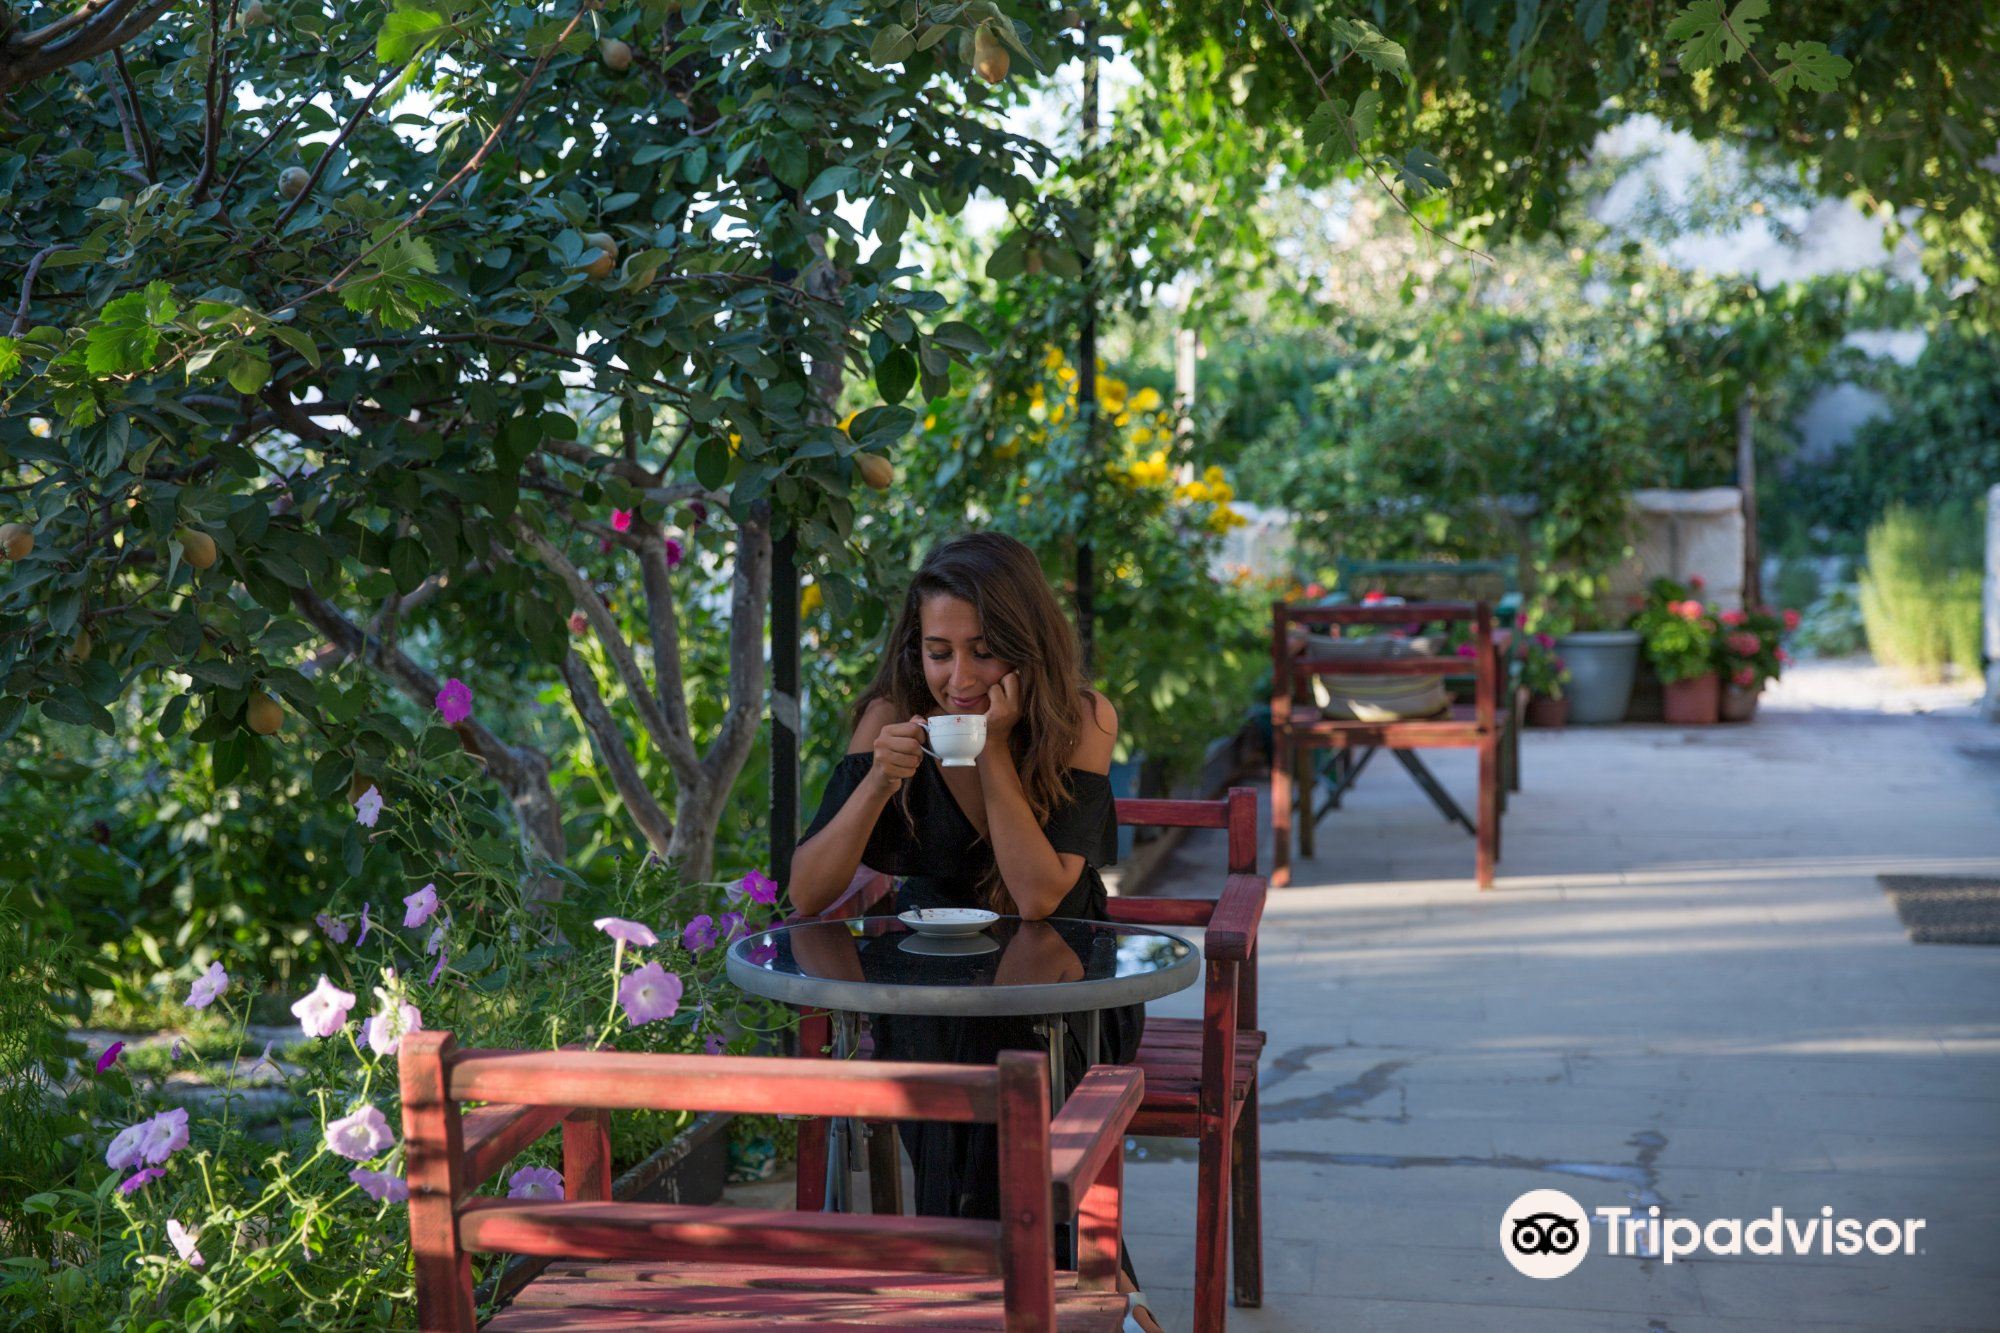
[
  {"x": 211, "y": 135},
  {"x": 28, "y": 285},
  {"x": 326, "y": 158},
  {"x": 25, "y": 57},
  {"x": 664, "y": 630},
  {"x": 647, "y": 813},
  {"x": 676, "y": 745},
  {"x": 148, "y": 153},
  {"x": 750, "y": 593}
]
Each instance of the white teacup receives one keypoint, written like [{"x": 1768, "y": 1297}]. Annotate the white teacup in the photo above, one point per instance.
[{"x": 956, "y": 739}]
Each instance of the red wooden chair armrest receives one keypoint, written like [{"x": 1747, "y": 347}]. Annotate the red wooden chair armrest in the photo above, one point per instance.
[
  {"x": 1089, "y": 1129},
  {"x": 495, "y": 1135},
  {"x": 1232, "y": 927}
]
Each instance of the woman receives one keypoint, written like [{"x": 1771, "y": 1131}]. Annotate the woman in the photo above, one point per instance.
[{"x": 1021, "y": 833}]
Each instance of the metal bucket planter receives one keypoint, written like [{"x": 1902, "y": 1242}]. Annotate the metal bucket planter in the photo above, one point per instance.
[{"x": 1601, "y": 663}]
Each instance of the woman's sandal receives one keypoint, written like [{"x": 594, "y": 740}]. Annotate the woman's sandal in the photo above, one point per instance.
[{"x": 1135, "y": 1300}]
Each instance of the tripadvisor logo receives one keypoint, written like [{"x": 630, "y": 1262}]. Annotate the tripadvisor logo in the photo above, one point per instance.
[{"x": 1546, "y": 1234}]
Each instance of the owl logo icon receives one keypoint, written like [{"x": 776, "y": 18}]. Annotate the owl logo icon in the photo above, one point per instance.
[{"x": 1545, "y": 1234}]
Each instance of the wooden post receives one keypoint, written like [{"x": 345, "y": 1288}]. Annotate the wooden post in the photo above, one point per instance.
[
  {"x": 810, "y": 1193},
  {"x": 1281, "y": 749},
  {"x": 784, "y": 704},
  {"x": 1746, "y": 479},
  {"x": 1487, "y": 688},
  {"x": 1213, "y": 1104},
  {"x": 586, "y": 1144},
  {"x": 1027, "y": 1222},
  {"x": 1100, "y": 1224},
  {"x": 435, "y": 1151}
]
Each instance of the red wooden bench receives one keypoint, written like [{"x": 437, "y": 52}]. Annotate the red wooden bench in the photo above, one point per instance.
[
  {"x": 1298, "y": 728},
  {"x": 1201, "y": 1074},
  {"x": 675, "y": 1266}
]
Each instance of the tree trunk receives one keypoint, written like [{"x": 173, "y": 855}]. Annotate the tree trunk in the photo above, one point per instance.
[{"x": 1746, "y": 479}]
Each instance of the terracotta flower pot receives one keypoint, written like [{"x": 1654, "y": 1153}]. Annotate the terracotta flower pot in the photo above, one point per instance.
[
  {"x": 1693, "y": 703},
  {"x": 1739, "y": 702},
  {"x": 1546, "y": 712}
]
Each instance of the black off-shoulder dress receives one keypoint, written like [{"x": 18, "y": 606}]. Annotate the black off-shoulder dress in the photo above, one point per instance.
[{"x": 941, "y": 860}]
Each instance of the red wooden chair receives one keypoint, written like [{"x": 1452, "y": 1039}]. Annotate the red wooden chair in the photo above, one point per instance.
[
  {"x": 1201, "y": 1074},
  {"x": 1298, "y": 727},
  {"x": 675, "y": 1266}
]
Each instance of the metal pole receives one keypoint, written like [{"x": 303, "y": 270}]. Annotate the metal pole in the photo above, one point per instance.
[{"x": 784, "y": 704}]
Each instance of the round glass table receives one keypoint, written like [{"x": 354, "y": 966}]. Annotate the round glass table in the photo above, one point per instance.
[{"x": 1048, "y": 969}]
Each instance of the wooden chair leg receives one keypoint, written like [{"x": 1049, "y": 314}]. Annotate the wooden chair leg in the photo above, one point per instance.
[
  {"x": 1211, "y": 1220},
  {"x": 1488, "y": 837},
  {"x": 586, "y": 1149},
  {"x": 1281, "y": 808},
  {"x": 810, "y": 1193},
  {"x": 1306, "y": 782},
  {"x": 1246, "y": 1205},
  {"x": 885, "y": 1169},
  {"x": 1101, "y": 1226}
]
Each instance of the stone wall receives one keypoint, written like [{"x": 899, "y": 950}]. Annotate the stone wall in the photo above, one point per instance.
[{"x": 1686, "y": 535}]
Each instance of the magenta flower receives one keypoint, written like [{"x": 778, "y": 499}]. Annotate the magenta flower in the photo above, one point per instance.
[
  {"x": 577, "y": 621},
  {"x": 535, "y": 1182},
  {"x": 714, "y": 1044},
  {"x": 110, "y": 1056},
  {"x": 761, "y": 954},
  {"x": 758, "y": 887},
  {"x": 385, "y": 1030},
  {"x": 368, "y": 807},
  {"x": 335, "y": 928},
  {"x": 165, "y": 1135},
  {"x": 627, "y": 932},
  {"x": 324, "y": 1011},
  {"x": 674, "y": 554},
  {"x": 207, "y": 987},
  {"x": 382, "y": 1186},
  {"x": 420, "y": 906},
  {"x": 731, "y": 926},
  {"x": 360, "y": 1136},
  {"x": 649, "y": 994},
  {"x": 139, "y": 1179},
  {"x": 454, "y": 701},
  {"x": 621, "y": 520},
  {"x": 700, "y": 934},
  {"x": 183, "y": 1241}
]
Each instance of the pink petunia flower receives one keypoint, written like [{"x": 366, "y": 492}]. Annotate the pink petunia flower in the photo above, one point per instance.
[
  {"x": 454, "y": 701},
  {"x": 385, "y": 1030},
  {"x": 758, "y": 887},
  {"x": 368, "y": 807},
  {"x": 335, "y": 928},
  {"x": 323, "y": 1012},
  {"x": 700, "y": 934},
  {"x": 649, "y": 994},
  {"x": 535, "y": 1182},
  {"x": 420, "y": 906},
  {"x": 382, "y": 1186},
  {"x": 1791, "y": 620},
  {"x": 207, "y": 987},
  {"x": 110, "y": 1056},
  {"x": 139, "y": 1179},
  {"x": 183, "y": 1242},
  {"x": 1746, "y": 676},
  {"x": 1734, "y": 618},
  {"x": 360, "y": 1136},
  {"x": 166, "y": 1134},
  {"x": 634, "y": 933},
  {"x": 674, "y": 554},
  {"x": 128, "y": 1148},
  {"x": 621, "y": 520}
]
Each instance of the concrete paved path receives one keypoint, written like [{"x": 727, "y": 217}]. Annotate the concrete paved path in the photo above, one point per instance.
[{"x": 1687, "y": 990}]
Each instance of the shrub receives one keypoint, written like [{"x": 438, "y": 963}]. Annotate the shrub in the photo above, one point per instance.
[
  {"x": 1920, "y": 592},
  {"x": 1679, "y": 631}
]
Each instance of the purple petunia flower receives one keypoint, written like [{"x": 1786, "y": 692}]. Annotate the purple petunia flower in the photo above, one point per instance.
[
  {"x": 207, "y": 987},
  {"x": 758, "y": 887},
  {"x": 535, "y": 1182},
  {"x": 454, "y": 701},
  {"x": 360, "y": 1136},
  {"x": 183, "y": 1241},
  {"x": 165, "y": 1135},
  {"x": 438, "y": 970},
  {"x": 335, "y": 928},
  {"x": 649, "y": 994},
  {"x": 714, "y": 1044},
  {"x": 730, "y": 926},
  {"x": 385, "y": 1030},
  {"x": 110, "y": 1056},
  {"x": 761, "y": 954},
  {"x": 128, "y": 1148},
  {"x": 139, "y": 1179},
  {"x": 700, "y": 934},
  {"x": 420, "y": 906},
  {"x": 634, "y": 933},
  {"x": 323, "y": 1012},
  {"x": 383, "y": 1186},
  {"x": 366, "y": 925},
  {"x": 368, "y": 807}
]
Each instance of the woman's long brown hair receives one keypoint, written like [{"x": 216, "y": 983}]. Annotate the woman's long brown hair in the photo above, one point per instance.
[{"x": 1025, "y": 628}]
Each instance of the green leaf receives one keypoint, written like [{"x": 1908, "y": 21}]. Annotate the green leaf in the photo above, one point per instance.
[
  {"x": 1807, "y": 65},
  {"x": 299, "y": 341},
  {"x": 896, "y": 375},
  {"x": 960, "y": 336},
  {"x": 1375, "y": 50},
  {"x": 71, "y": 706},
  {"x": 249, "y": 373},
  {"x": 124, "y": 339},
  {"x": 831, "y": 180},
  {"x": 1323, "y": 127},
  {"x": 1366, "y": 108},
  {"x": 10, "y": 356},
  {"x": 888, "y": 43},
  {"x": 330, "y": 774},
  {"x": 711, "y": 463},
  {"x": 1005, "y": 262},
  {"x": 1421, "y": 172},
  {"x": 405, "y": 32},
  {"x": 1708, "y": 39}
]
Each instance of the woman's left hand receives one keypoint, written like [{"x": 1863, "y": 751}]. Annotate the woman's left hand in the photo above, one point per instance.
[{"x": 1003, "y": 710}]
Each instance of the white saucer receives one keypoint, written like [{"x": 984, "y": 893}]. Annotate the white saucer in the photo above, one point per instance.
[
  {"x": 948, "y": 922},
  {"x": 947, "y": 946}
]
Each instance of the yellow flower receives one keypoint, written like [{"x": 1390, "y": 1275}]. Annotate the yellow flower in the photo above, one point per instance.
[
  {"x": 1146, "y": 400},
  {"x": 810, "y": 600},
  {"x": 1193, "y": 491},
  {"x": 1122, "y": 420},
  {"x": 1066, "y": 375},
  {"x": 930, "y": 421},
  {"x": 1214, "y": 476},
  {"x": 1143, "y": 435},
  {"x": 1124, "y": 571},
  {"x": 1222, "y": 492},
  {"x": 1111, "y": 393},
  {"x": 849, "y": 421},
  {"x": 1053, "y": 358},
  {"x": 735, "y": 443}
]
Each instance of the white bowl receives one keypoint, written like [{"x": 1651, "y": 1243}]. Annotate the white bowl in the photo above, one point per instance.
[{"x": 945, "y": 922}]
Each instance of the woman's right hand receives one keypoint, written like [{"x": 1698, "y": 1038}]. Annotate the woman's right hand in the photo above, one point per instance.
[{"x": 899, "y": 748}]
